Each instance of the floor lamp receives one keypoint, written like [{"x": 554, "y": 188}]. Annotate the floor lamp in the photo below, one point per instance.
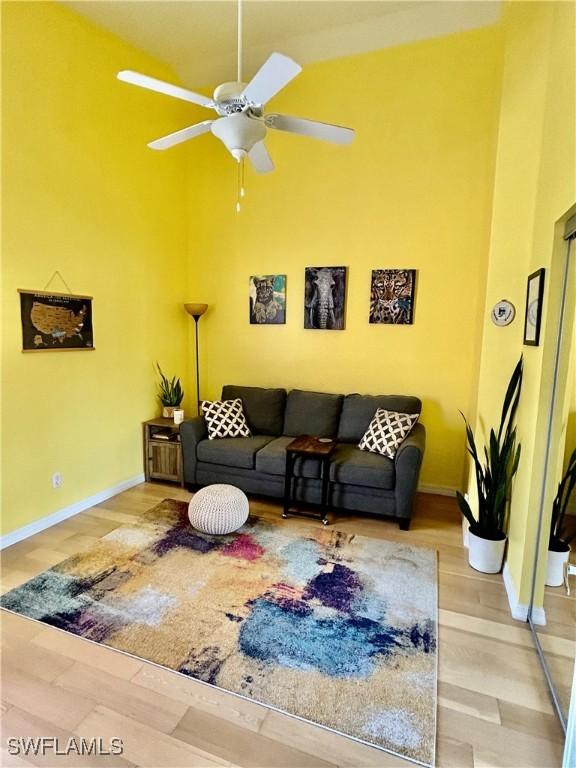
[{"x": 196, "y": 310}]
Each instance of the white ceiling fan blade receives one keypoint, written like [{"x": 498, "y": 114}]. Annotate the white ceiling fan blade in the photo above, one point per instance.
[
  {"x": 260, "y": 159},
  {"x": 179, "y": 136},
  {"x": 273, "y": 75},
  {"x": 135, "y": 78},
  {"x": 324, "y": 131}
]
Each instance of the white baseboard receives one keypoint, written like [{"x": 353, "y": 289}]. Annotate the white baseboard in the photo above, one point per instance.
[
  {"x": 63, "y": 514},
  {"x": 438, "y": 490},
  {"x": 518, "y": 610}
]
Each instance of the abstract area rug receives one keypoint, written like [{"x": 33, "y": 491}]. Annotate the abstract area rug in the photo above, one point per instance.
[{"x": 334, "y": 628}]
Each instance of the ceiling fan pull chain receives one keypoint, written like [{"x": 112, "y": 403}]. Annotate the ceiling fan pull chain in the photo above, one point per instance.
[
  {"x": 238, "y": 184},
  {"x": 239, "y": 68},
  {"x": 242, "y": 190}
]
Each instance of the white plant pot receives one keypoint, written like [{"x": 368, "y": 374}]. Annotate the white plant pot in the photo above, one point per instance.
[
  {"x": 555, "y": 567},
  {"x": 485, "y": 555}
]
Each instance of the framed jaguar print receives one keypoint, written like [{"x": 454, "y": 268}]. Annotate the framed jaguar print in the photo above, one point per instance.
[
  {"x": 267, "y": 299},
  {"x": 392, "y": 294},
  {"x": 533, "y": 317}
]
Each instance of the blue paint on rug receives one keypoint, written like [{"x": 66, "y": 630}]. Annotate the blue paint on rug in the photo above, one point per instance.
[
  {"x": 369, "y": 605},
  {"x": 48, "y": 593},
  {"x": 337, "y": 646},
  {"x": 302, "y": 560}
]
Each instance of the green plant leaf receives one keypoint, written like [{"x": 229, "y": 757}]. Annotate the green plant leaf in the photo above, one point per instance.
[
  {"x": 512, "y": 397},
  {"x": 500, "y": 461},
  {"x": 170, "y": 391},
  {"x": 466, "y": 510},
  {"x": 516, "y": 461},
  {"x": 561, "y": 501}
]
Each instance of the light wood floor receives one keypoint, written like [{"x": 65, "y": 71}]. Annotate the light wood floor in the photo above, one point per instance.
[{"x": 493, "y": 705}]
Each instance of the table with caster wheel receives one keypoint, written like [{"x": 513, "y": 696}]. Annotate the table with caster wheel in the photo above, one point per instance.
[{"x": 307, "y": 447}]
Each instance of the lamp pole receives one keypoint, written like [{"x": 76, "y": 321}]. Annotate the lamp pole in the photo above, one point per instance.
[
  {"x": 196, "y": 310},
  {"x": 196, "y": 318}
]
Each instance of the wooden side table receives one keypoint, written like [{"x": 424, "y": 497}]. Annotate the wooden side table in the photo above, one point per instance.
[
  {"x": 162, "y": 451},
  {"x": 311, "y": 448}
]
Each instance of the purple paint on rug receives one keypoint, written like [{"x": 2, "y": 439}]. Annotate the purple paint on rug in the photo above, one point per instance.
[
  {"x": 205, "y": 664},
  {"x": 288, "y": 598},
  {"x": 93, "y": 622},
  {"x": 423, "y": 636},
  {"x": 297, "y": 607},
  {"x": 243, "y": 547},
  {"x": 183, "y": 536},
  {"x": 335, "y": 589}
]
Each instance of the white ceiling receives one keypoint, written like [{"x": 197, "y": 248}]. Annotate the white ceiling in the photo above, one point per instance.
[{"x": 197, "y": 38}]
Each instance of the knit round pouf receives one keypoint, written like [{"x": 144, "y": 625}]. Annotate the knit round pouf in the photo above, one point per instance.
[{"x": 218, "y": 509}]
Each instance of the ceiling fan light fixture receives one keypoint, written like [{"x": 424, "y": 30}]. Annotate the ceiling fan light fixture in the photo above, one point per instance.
[{"x": 238, "y": 133}]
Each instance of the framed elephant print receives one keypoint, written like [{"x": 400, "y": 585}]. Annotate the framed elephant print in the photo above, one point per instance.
[
  {"x": 324, "y": 298},
  {"x": 267, "y": 299},
  {"x": 392, "y": 296}
]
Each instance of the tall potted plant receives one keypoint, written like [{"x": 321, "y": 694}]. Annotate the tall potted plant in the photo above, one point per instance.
[
  {"x": 559, "y": 543},
  {"x": 170, "y": 393},
  {"x": 494, "y": 474}
]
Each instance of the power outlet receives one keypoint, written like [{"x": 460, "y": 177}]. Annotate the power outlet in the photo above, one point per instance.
[{"x": 57, "y": 480}]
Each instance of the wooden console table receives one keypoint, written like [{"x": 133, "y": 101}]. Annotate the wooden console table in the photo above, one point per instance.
[{"x": 308, "y": 448}]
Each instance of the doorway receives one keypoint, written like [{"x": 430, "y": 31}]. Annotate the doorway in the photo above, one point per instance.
[{"x": 554, "y": 641}]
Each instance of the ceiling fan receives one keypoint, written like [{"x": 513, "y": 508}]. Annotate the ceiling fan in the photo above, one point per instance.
[{"x": 241, "y": 124}]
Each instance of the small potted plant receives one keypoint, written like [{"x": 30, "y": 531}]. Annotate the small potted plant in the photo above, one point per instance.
[
  {"x": 559, "y": 543},
  {"x": 170, "y": 394},
  {"x": 494, "y": 474}
]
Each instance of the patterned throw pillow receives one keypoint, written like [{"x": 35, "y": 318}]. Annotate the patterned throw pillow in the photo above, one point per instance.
[
  {"x": 225, "y": 418},
  {"x": 386, "y": 431}
]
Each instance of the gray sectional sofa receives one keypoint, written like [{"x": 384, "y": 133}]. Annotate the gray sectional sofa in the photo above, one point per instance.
[{"x": 359, "y": 481}]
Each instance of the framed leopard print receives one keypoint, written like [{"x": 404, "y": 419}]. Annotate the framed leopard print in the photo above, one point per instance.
[{"x": 392, "y": 296}]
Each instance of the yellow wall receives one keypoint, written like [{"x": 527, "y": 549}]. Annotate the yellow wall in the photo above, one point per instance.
[
  {"x": 535, "y": 186},
  {"x": 83, "y": 194},
  {"x": 413, "y": 190}
]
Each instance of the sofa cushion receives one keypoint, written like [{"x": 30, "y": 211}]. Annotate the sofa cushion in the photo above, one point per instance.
[
  {"x": 351, "y": 465},
  {"x": 387, "y": 431},
  {"x": 312, "y": 413},
  {"x": 232, "y": 451},
  {"x": 263, "y": 408},
  {"x": 358, "y": 411},
  {"x": 272, "y": 460},
  {"x": 224, "y": 418}
]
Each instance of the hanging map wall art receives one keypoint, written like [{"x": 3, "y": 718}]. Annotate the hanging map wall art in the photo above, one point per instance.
[{"x": 55, "y": 321}]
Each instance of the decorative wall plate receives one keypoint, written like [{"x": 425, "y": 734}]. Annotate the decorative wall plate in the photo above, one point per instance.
[{"x": 503, "y": 312}]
